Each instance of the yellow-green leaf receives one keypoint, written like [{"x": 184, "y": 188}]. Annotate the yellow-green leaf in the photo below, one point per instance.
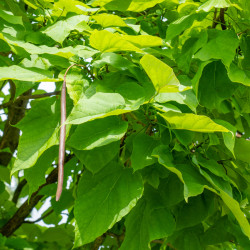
[
  {"x": 109, "y": 20},
  {"x": 198, "y": 123},
  {"x": 160, "y": 74},
  {"x": 105, "y": 41}
]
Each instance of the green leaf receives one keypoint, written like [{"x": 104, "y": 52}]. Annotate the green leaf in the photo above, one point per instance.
[
  {"x": 229, "y": 137},
  {"x": 16, "y": 72},
  {"x": 10, "y": 18},
  {"x": 108, "y": 185},
  {"x": 129, "y": 97},
  {"x": 194, "y": 183},
  {"x": 105, "y": 41},
  {"x": 213, "y": 167},
  {"x": 214, "y": 85},
  {"x": 182, "y": 24},
  {"x": 198, "y": 123},
  {"x": 144, "y": 222},
  {"x": 113, "y": 59},
  {"x": 98, "y": 133},
  {"x": 144, "y": 41},
  {"x": 234, "y": 206},
  {"x": 193, "y": 212},
  {"x": 35, "y": 176},
  {"x": 109, "y": 20},
  {"x": 44, "y": 116},
  {"x": 221, "y": 44},
  {"x": 208, "y": 5},
  {"x": 143, "y": 146},
  {"x": 61, "y": 29},
  {"x": 77, "y": 83},
  {"x": 161, "y": 75},
  {"x": 62, "y": 7},
  {"x": 94, "y": 160},
  {"x": 185, "y": 97},
  {"x": 189, "y": 48},
  {"x": 237, "y": 74},
  {"x": 130, "y": 5},
  {"x": 99, "y": 106},
  {"x": 242, "y": 149}
]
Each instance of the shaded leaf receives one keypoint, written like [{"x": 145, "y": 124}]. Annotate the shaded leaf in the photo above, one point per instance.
[{"x": 118, "y": 191}]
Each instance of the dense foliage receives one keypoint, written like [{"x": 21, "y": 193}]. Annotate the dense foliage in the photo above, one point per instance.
[{"x": 157, "y": 149}]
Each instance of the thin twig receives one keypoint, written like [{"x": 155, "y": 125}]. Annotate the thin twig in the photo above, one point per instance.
[
  {"x": 38, "y": 96},
  {"x": 41, "y": 218},
  {"x": 27, "y": 97}
]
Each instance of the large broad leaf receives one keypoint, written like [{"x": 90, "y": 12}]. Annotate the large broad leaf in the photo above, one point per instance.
[
  {"x": 113, "y": 59},
  {"x": 194, "y": 183},
  {"x": 234, "y": 206},
  {"x": 225, "y": 192},
  {"x": 237, "y": 74},
  {"x": 143, "y": 41},
  {"x": 77, "y": 83},
  {"x": 242, "y": 149},
  {"x": 39, "y": 132},
  {"x": 62, "y": 7},
  {"x": 26, "y": 48},
  {"x": 208, "y": 5},
  {"x": 97, "y": 106},
  {"x": 145, "y": 221},
  {"x": 195, "y": 211},
  {"x": 189, "y": 48},
  {"x": 10, "y": 18},
  {"x": 186, "y": 97},
  {"x": 109, "y": 20},
  {"x": 221, "y": 44},
  {"x": 129, "y": 97},
  {"x": 106, "y": 41},
  {"x": 25, "y": 74},
  {"x": 35, "y": 176},
  {"x": 214, "y": 85},
  {"x": 117, "y": 190},
  {"x": 160, "y": 74},
  {"x": 98, "y": 133},
  {"x": 95, "y": 159},
  {"x": 198, "y": 123},
  {"x": 143, "y": 146},
  {"x": 129, "y": 5},
  {"x": 61, "y": 29},
  {"x": 182, "y": 24}
]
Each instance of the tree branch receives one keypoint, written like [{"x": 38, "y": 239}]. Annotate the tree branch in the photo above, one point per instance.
[
  {"x": 38, "y": 96},
  {"x": 18, "y": 190},
  {"x": 41, "y": 218},
  {"x": 18, "y": 218}
]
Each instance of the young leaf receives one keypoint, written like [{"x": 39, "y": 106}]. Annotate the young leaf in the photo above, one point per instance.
[{"x": 161, "y": 75}]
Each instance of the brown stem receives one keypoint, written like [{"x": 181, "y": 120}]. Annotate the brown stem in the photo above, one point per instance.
[
  {"x": 38, "y": 96},
  {"x": 214, "y": 19},
  {"x": 222, "y": 19},
  {"x": 18, "y": 190}
]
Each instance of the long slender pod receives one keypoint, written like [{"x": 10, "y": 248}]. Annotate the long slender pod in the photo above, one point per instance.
[{"x": 62, "y": 136}]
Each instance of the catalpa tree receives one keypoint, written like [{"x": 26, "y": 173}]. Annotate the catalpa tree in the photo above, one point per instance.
[{"x": 151, "y": 110}]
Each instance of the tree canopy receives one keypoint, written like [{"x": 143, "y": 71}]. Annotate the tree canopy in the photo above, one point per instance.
[{"x": 157, "y": 127}]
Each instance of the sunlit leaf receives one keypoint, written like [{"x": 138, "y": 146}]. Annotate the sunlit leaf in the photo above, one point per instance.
[
  {"x": 199, "y": 123},
  {"x": 160, "y": 74}
]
